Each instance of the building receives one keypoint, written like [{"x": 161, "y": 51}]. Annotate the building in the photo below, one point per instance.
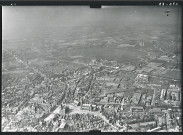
[
  {"x": 86, "y": 107},
  {"x": 142, "y": 78},
  {"x": 174, "y": 93},
  {"x": 148, "y": 123},
  {"x": 136, "y": 109},
  {"x": 148, "y": 100},
  {"x": 105, "y": 100},
  {"x": 136, "y": 98},
  {"x": 156, "y": 111},
  {"x": 110, "y": 95},
  {"x": 163, "y": 94},
  {"x": 118, "y": 100},
  {"x": 119, "y": 94},
  {"x": 110, "y": 79},
  {"x": 77, "y": 103},
  {"x": 112, "y": 84},
  {"x": 111, "y": 99},
  {"x": 94, "y": 107}
]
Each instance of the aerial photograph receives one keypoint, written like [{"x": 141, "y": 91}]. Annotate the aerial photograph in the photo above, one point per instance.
[{"x": 81, "y": 69}]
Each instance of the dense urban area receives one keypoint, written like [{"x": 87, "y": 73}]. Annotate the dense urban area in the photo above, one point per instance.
[{"x": 123, "y": 79}]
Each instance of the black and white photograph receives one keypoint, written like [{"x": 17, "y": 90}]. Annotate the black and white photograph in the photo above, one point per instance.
[{"x": 79, "y": 69}]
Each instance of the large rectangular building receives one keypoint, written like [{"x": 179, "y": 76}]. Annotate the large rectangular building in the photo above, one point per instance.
[
  {"x": 136, "y": 98},
  {"x": 163, "y": 93},
  {"x": 136, "y": 109},
  {"x": 86, "y": 107}
]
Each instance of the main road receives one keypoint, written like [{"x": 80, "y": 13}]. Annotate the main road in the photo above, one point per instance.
[{"x": 27, "y": 65}]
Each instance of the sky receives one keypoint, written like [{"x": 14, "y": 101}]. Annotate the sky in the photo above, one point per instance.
[{"x": 20, "y": 20}]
